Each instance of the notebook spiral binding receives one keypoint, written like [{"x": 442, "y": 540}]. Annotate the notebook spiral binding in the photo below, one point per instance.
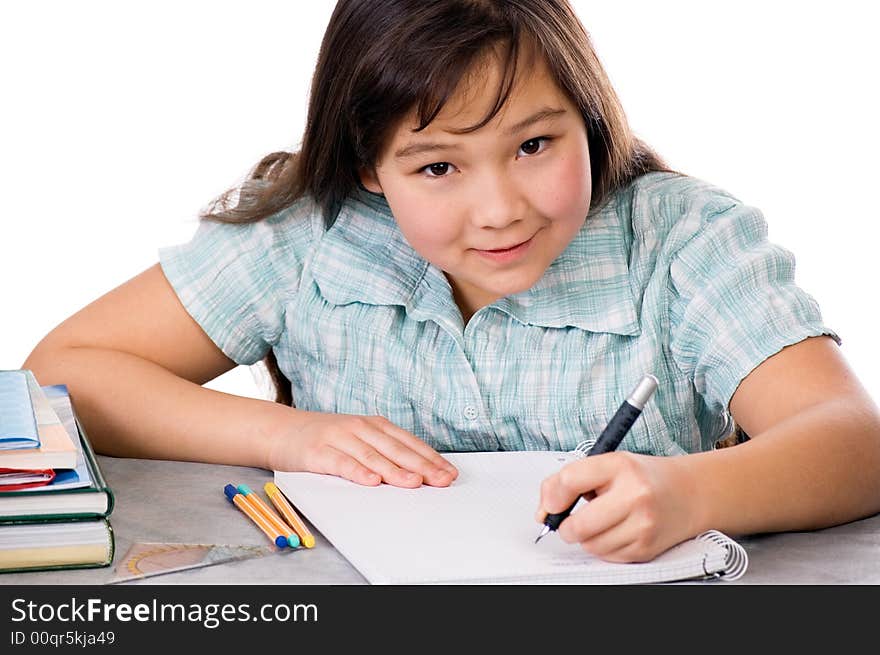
[
  {"x": 583, "y": 448},
  {"x": 737, "y": 559}
]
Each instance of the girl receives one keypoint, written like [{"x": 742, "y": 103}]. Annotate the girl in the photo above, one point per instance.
[{"x": 471, "y": 251}]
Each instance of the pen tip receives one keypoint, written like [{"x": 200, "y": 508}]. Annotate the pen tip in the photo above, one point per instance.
[{"x": 544, "y": 531}]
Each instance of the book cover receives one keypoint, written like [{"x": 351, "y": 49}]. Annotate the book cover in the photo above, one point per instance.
[
  {"x": 16, "y": 479},
  {"x": 56, "y": 545}
]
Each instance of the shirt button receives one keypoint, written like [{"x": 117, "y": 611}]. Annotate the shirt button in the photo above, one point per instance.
[{"x": 470, "y": 412}]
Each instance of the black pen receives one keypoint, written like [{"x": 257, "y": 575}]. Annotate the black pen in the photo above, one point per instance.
[{"x": 611, "y": 437}]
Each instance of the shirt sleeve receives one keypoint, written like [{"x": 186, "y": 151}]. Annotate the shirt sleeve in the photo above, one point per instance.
[
  {"x": 735, "y": 303},
  {"x": 234, "y": 280}
]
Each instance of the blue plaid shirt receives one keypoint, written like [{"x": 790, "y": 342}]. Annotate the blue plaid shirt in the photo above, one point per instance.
[{"x": 671, "y": 276}]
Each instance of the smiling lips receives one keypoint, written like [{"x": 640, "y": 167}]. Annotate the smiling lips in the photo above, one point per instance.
[
  {"x": 506, "y": 254},
  {"x": 508, "y": 248}
]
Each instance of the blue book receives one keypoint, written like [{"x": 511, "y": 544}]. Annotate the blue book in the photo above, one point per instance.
[{"x": 18, "y": 423}]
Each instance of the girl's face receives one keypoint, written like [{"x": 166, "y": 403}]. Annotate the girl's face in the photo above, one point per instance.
[{"x": 491, "y": 208}]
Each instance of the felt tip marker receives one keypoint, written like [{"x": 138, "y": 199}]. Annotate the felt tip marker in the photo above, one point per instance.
[
  {"x": 267, "y": 512},
  {"x": 268, "y": 529},
  {"x": 289, "y": 514}
]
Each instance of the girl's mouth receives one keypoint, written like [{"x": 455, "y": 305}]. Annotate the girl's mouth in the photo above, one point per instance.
[{"x": 503, "y": 255}]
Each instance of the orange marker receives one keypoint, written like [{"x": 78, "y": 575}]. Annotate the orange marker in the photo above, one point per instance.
[
  {"x": 239, "y": 501},
  {"x": 257, "y": 503},
  {"x": 289, "y": 515}
]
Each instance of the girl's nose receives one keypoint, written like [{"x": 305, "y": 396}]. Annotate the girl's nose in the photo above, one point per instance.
[{"x": 496, "y": 202}]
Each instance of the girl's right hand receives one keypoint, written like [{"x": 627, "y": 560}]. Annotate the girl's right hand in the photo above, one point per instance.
[{"x": 364, "y": 449}]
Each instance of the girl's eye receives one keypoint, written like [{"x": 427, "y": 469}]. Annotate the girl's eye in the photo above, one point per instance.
[
  {"x": 534, "y": 146},
  {"x": 440, "y": 169},
  {"x": 526, "y": 148}
]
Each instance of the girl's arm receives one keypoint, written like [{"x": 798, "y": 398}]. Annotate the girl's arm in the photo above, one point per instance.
[
  {"x": 814, "y": 457},
  {"x": 134, "y": 361},
  {"x": 813, "y": 461}
]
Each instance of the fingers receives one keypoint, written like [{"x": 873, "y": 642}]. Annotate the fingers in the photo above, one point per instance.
[
  {"x": 369, "y": 450},
  {"x": 582, "y": 477},
  {"x": 336, "y": 462},
  {"x": 634, "y": 513},
  {"x": 593, "y": 521},
  {"x": 627, "y": 541},
  {"x": 400, "y": 462},
  {"x": 431, "y": 456}
]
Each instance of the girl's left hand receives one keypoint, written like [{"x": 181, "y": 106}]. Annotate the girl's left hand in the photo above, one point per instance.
[{"x": 639, "y": 505}]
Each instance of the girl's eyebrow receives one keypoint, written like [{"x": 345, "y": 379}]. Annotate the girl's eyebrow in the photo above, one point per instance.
[
  {"x": 540, "y": 115},
  {"x": 421, "y": 147}
]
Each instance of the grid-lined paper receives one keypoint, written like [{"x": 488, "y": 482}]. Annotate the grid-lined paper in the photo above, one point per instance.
[{"x": 479, "y": 530}]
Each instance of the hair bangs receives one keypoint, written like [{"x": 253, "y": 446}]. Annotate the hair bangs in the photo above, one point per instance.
[{"x": 464, "y": 68}]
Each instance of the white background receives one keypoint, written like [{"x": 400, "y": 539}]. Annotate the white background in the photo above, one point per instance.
[{"x": 120, "y": 121}]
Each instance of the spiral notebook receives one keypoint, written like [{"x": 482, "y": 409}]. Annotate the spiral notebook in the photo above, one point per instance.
[{"x": 481, "y": 529}]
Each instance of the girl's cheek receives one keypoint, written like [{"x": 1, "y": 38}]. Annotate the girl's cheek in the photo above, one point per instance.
[
  {"x": 564, "y": 192},
  {"x": 427, "y": 225}
]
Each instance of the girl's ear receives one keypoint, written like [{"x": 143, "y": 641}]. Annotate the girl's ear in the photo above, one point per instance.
[{"x": 370, "y": 180}]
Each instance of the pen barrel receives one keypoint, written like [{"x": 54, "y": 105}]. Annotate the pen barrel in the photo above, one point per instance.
[
  {"x": 286, "y": 510},
  {"x": 266, "y": 512},
  {"x": 250, "y": 511},
  {"x": 552, "y": 521},
  {"x": 616, "y": 429},
  {"x": 288, "y": 515}
]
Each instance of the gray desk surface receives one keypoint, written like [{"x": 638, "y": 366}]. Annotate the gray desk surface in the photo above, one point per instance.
[{"x": 160, "y": 501}]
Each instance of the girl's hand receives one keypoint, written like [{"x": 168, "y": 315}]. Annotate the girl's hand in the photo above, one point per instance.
[
  {"x": 639, "y": 506},
  {"x": 364, "y": 449}
]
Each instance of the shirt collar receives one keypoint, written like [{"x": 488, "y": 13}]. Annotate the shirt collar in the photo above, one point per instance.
[{"x": 363, "y": 257}]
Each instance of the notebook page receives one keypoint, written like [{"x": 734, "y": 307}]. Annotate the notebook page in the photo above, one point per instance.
[{"x": 480, "y": 529}]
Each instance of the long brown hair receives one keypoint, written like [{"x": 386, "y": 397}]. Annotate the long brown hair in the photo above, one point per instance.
[{"x": 381, "y": 59}]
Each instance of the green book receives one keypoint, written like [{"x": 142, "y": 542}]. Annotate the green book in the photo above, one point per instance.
[{"x": 63, "y": 525}]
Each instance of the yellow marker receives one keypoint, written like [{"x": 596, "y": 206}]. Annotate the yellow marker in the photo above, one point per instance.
[{"x": 289, "y": 515}]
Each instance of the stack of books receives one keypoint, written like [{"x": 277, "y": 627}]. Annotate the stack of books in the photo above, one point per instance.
[{"x": 54, "y": 501}]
